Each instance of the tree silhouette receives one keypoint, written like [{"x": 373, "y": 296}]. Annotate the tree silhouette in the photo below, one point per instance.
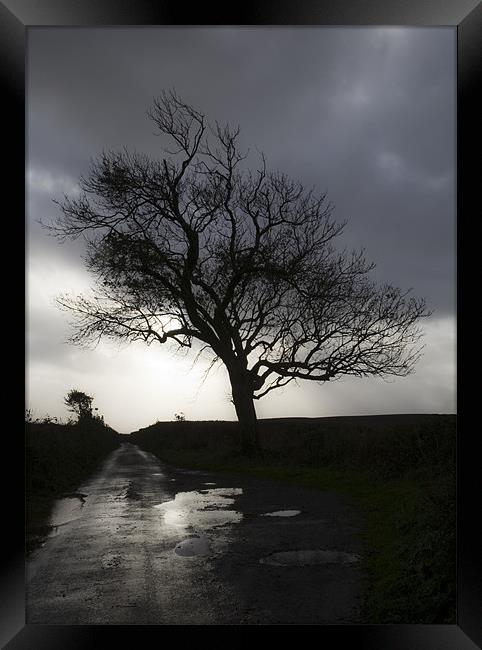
[
  {"x": 197, "y": 247},
  {"x": 79, "y": 403}
]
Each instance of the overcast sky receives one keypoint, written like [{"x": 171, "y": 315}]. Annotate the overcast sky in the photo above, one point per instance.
[{"x": 365, "y": 114}]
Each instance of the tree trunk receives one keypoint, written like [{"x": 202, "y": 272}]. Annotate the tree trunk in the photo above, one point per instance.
[{"x": 246, "y": 412}]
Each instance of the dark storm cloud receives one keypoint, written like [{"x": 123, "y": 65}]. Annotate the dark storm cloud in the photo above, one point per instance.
[{"x": 365, "y": 113}]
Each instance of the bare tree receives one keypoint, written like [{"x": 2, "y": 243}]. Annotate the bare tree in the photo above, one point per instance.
[
  {"x": 196, "y": 247},
  {"x": 79, "y": 403}
]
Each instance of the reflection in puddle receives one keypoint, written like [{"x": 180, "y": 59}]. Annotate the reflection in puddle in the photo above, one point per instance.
[
  {"x": 206, "y": 509},
  {"x": 210, "y": 483},
  {"x": 65, "y": 511},
  {"x": 198, "y": 545},
  {"x": 309, "y": 558},
  {"x": 282, "y": 513}
]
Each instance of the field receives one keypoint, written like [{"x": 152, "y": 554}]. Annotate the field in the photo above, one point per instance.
[{"x": 399, "y": 469}]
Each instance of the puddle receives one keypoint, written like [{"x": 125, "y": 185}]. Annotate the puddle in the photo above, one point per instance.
[
  {"x": 198, "y": 545},
  {"x": 309, "y": 558},
  {"x": 65, "y": 511},
  {"x": 206, "y": 509},
  {"x": 282, "y": 513},
  {"x": 75, "y": 495}
]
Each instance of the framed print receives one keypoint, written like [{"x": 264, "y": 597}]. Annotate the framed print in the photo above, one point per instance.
[{"x": 253, "y": 258}]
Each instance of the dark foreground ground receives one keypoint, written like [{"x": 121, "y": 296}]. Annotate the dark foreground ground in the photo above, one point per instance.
[
  {"x": 399, "y": 470},
  {"x": 142, "y": 542}
]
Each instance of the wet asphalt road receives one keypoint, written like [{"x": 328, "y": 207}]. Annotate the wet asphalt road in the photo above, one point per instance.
[{"x": 122, "y": 552}]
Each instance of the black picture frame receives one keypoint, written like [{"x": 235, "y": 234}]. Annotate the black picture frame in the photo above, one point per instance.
[{"x": 16, "y": 17}]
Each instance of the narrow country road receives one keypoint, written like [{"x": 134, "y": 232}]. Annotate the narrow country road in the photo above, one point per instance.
[{"x": 141, "y": 542}]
